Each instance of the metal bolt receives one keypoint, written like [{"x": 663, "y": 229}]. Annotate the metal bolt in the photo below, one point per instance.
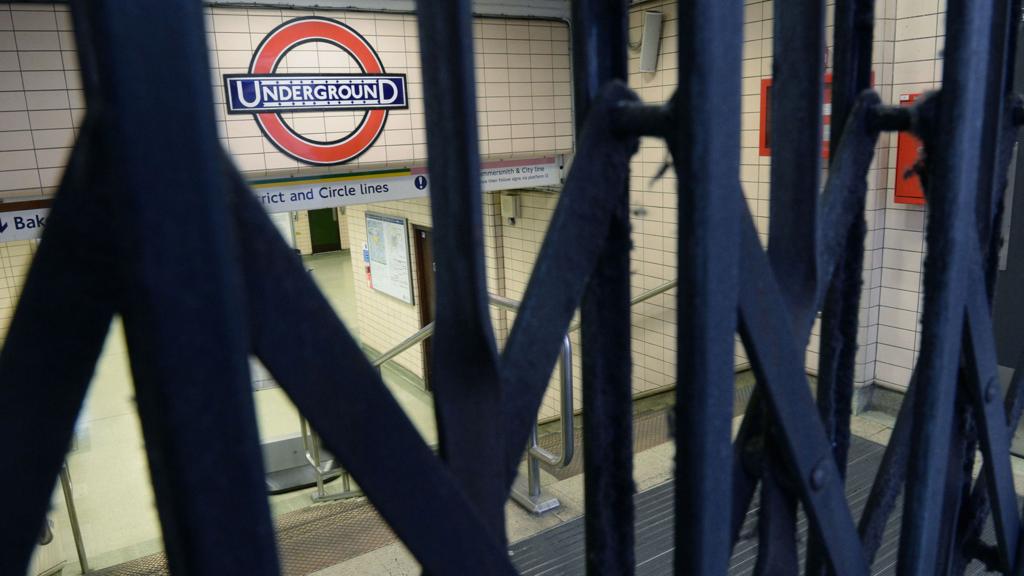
[
  {"x": 819, "y": 475},
  {"x": 991, "y": 391}
]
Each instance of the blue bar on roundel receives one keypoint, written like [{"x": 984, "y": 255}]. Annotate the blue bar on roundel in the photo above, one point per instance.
[{"x": 249, "y": 94}]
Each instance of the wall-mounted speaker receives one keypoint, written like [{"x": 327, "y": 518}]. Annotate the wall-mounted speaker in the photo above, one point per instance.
[{"x": 651, "y": 42}]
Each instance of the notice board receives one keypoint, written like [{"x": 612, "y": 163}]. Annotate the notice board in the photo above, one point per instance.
[{"x": 387, "y": 241}]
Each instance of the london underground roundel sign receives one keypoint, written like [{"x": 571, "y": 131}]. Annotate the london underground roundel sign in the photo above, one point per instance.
[{"x": 266, "y": 94}]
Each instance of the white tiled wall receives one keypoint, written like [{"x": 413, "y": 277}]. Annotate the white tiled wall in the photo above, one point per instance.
[
  {"x": 524, "y": 103},
  {"x": 524, "y": 109},
  {"x": 15, "y": 258},
  {"x": 41, "y": 102},
  {"x": 523, "y": 81},
  {"x": 522, "y": 72},
  {"x": 907, "y": 58}
]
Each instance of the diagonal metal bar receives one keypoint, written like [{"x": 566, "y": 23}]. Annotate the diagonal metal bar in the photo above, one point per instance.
[
  {"x": 796, "y": 99},
  {"x": 706, "y": 158},
  {"x": 893, "y": 468},
  {"x": 978, "y": 506},
  {"x": 187, "y": 346},
  {"x": 797, "y": 71},
  {"x": 844, "y": 190},
  {"x": 954, "y": 164},
  {"x": 777, "y": 363},
  {"x": 889, "y": 481},
  {"x": 1001, "y": 72},
  {"x": 892, "y": 473},
  {"x": 44, "y": 409},
  {"x": 467, "y": 391},
  {"x": 69, "y": 254},
  {"x": 986, "y": 391},
  {"x": 291, "y": 323},
  {"x": 972, "y": 522},
  {"x": 575, "y": 239},
  {"x": 960, "y": 461}
]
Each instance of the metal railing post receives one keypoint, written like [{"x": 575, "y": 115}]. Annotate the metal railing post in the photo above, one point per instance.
[
  {"x": 311, "y": 444},
  {"x": 532, "y": 498},
  {"x": 76, "y": 529},
  {"x": 533, "y": 472}
]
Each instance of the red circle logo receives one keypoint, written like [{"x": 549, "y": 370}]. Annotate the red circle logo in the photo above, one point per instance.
[{"x": 266, "y": 94}]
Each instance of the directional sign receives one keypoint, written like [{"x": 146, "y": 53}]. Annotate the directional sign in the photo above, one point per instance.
[
  {"x": 289, "y": 194},
  {"x": 23, "y": 220},
  {"x": 26, "y": 220},
  {"x": 513, "y": 174}
]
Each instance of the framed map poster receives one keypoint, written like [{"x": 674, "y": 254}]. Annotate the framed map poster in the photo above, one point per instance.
[{"x": 387, "y": 241}]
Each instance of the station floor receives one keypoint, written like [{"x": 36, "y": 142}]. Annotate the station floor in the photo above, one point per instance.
[{"x": 116, "y": 506}]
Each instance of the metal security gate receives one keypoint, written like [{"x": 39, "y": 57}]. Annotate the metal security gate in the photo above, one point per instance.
[{"x": 201, "y": 278}]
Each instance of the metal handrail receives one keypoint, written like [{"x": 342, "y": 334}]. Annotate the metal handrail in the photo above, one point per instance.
[
  {"x": 567, "y": 418},
  {"x": 416, "y": 337},
  {"x": 654, "y": 292},
  {"x": 535, "y": 454},
  {"x": 642, "y": 297},
  {"x": 508, "y": 304}
]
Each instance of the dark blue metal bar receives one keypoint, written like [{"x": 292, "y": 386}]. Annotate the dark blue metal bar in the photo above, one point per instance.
[
  {"x": 575, "y": 240},
  {"x": 44, "y": 373},
  {"x": 976, "y": 511},
  {"x": 797, "y": 71},
  {"x": 776, "y": 524},
  {"x": 608, "y": 408},
  {"x": 986, "y": 391},
  {"x": 184, "y": 319},
  {"x": 852, "y": 75},
  {"x": 998, "y": 84},
  {"x": 777, "y": 362},
  {"x": 467, "y": 391},
  {"x": 844, "y": 190},
  {"x": 706, "y": 157},
  {"x": 1007, "y": 131},
  {"x": 798, "y": 74},
  {"x": 981, "y": 373},
  {"x": 979, "y": 505},
  {"x": 892, "y": 472},
  {"x": 854, "y": 26},
  {"x": 349, "y": 406},
  {"x": 953, "y": 167},
  {"x": 42, "y": 410},
  {"x": 188, "y": 347},
  {"x": 599, "y": 39}
]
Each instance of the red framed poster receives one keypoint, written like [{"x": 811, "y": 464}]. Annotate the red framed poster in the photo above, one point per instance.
[
  {"x": 908, "y": 151},
  {"x": 765, "y": 142}
]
